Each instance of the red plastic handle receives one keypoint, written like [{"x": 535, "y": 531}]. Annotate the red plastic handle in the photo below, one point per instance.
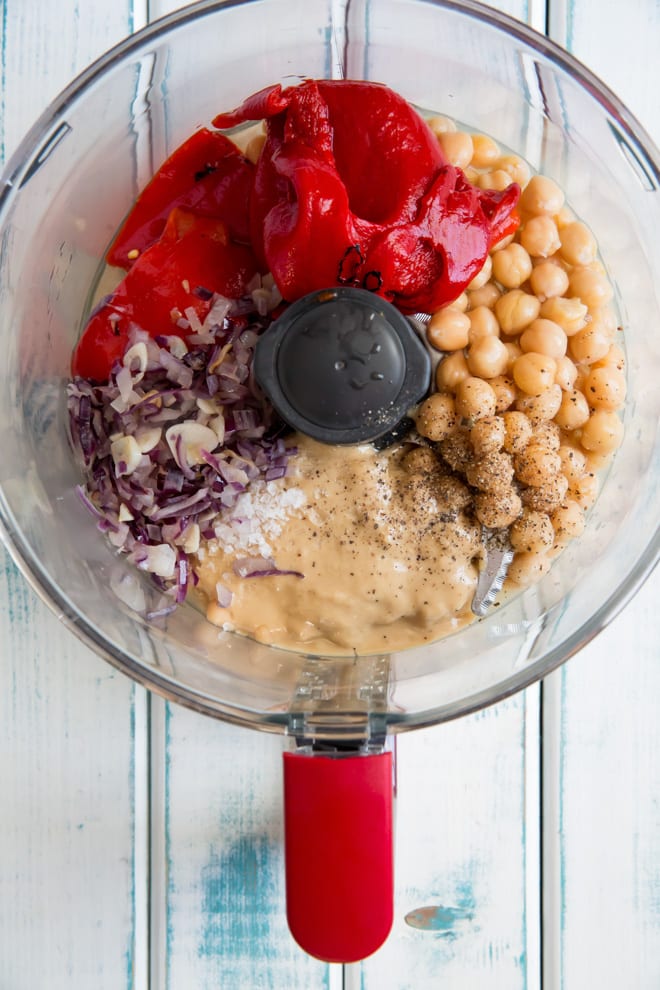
[{"x": 338, "y": 846}]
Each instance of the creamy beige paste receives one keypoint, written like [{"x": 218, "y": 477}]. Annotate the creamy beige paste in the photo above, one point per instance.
[{"x": 389, "y": 560}]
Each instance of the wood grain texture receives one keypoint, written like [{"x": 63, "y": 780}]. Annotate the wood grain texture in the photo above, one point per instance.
[
  {"x": 600, "y": 715},
  {"x": 71, "y": 892},
  {"x": 223, "y": 913},
  {"x": 67, "y": 822},
  {"x": 467, "y": 850}
]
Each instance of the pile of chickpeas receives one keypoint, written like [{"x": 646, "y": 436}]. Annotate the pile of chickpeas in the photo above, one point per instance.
[{"x": 530, "y": 375}]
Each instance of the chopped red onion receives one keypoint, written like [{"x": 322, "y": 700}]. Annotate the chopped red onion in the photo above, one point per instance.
[
  {"x": 166, "y": 494},
  {"x": 247, "y": 567}
]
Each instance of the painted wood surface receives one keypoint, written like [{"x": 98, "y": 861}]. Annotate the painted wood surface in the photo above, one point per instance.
[
  {"x": 73, "y": 774},
  {"x": 600, "y": 712},
  {"x": 141, "y": 844}
]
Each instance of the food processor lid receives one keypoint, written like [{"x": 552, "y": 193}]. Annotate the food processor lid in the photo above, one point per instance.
[{"x": 342, "y": 366}]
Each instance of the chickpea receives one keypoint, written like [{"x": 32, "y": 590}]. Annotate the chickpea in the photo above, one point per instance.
[
  {"x": 547, "y": 434},
  {"x": 487, "y": 295},
  {"x": 511, "y": 266},
  {"x": 474, "y": 399},
  {"x": 581, "y": 377},
  {"x": 457, "y": 147},
  {"x": 483, "y": 276},
  {"x": 604, "y": 388},
  {"x": 447, "y": 330},
  {"x": 604, "y": 318},
  {"x": 536, "y": 465},
  {"x": 570, "y": 314},
  {"x": 541, "y": 407},
  {"x": 541, "y": 196},
  {"x": 504, "y": 242},
  {"x": 573, "y": 411},
  {"x": 461, "y": 303},
  {"x": 588, "y": 345},
  {"x": 518, "y": 432},
  {"x": 573, "y": 462},
  {"x": 603, "y": 432},
  {"x": 540, "y": 237},
  {"x": 566, "y": 373},
  {"x": 421, "y": 461},
  {"x": 441, "y": 125},
  {"x": 491, "y": 473},
  {"x": 596, "y": 462},
  {"x": 534, "y": 373},
  {"x": 487, "y": 435},
  {"x": 545, "y": 337},
  {"x": 451, "y": 371},
  {"x": 614, "y": 358},
  {"x": 498, "y": 180},
  {"x": 567, "y": 522},
  {"x": 436, "y": 417},
  {"x": 515, "y": 310},
  {"x": 585, "y": 490},
  {"x": 487, "y": 357},
  {"x": 578, "y": 246},
  {"x": 546, "y": 497},
  {"x": 548, "y": 280},
  {"x": 505, "y": 392},
  {"x": 483, "y": 323},
  {"x": 254, "y": 148},
  {"x": 564, "y": 217},
  {"x": 590, "y": 286},
  {"x": 456, "y": 450},
  {"x": 516, "y": 167},
  {"x": 514, "y": 350},
  {"x": 528, "y": 568},
  {"x": 485, "y": 152},
  {"x": 496, "y": 510},
  {"x": 532, "y": 532}
]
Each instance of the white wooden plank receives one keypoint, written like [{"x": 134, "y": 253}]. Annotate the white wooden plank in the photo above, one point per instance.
[
  {"x": 467, "y": 848},
  {"x": 601, "y": 743},
  {"x": 71, "y": 749},
  {"x": 222, "y": 919},
  {"x": 66, "y": 828},
  {"x": 45, "y": 45}
]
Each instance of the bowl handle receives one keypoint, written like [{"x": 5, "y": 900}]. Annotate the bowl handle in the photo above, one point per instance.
[{"x": 338, "y": 846}]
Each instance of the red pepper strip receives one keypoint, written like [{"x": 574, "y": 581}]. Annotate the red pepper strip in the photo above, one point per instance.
[
  {"x": 208, "y": 174},
  {"x": 307, "y": 235},
  {"x": 265, "y": 103},
  {"x": 383, "y": 150},
  {"x": 351, "y": 188},
  {"x": 194, "y": 252},
  {"x": 426, "y": 263},
  {"x": 385, "y": 153}
]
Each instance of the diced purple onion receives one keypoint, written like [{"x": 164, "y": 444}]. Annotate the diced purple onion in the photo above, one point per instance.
[{"x": 164, "y": 494}]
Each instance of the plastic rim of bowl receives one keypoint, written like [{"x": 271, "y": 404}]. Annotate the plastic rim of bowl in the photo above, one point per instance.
[{"x": 168, "y": 687}]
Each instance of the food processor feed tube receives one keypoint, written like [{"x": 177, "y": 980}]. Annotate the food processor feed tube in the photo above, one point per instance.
[{"x": 356, "y": 388}]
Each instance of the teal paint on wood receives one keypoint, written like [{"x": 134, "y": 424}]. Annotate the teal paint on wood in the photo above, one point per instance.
[
  {"x": 239, "y": 897},
  {"x": 442, "y": 919}
]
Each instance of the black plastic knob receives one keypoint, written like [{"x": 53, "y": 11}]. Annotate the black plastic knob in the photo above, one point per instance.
[{"x": 342, "y": 366}]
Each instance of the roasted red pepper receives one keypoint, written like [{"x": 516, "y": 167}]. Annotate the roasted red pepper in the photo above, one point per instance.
[
  {"x": 207, "y": 174},
  {"x": 193, "y": 259},
  {"x": 352, "y": 188}
]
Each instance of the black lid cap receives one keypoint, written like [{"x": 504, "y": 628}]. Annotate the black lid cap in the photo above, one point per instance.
[{"x": 342, "y": 366}]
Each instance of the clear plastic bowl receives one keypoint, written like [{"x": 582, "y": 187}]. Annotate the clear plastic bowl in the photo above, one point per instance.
[{"x": 66, "y": 190}]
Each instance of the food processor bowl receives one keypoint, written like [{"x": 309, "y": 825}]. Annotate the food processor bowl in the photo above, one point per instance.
[{"x": 63, "y": 195}]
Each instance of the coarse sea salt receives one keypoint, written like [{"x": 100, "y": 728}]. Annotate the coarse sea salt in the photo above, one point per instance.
[{"x": 258, "y": 515}]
